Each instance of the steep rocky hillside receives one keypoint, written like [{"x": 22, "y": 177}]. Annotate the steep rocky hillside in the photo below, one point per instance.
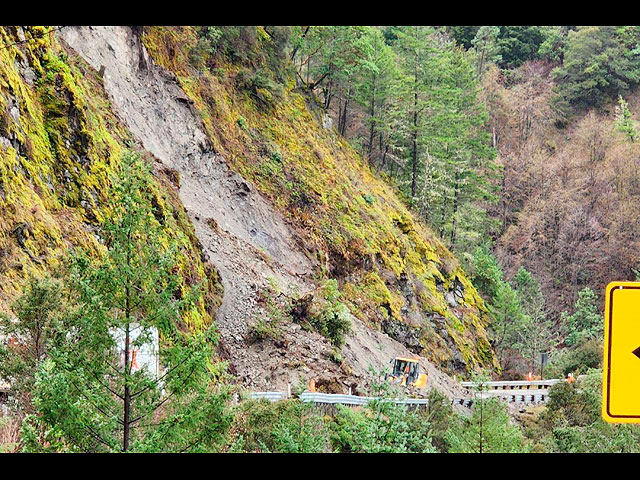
[
  {"x": 277, "y": 204},
  {"x": 59, "y": 146}
]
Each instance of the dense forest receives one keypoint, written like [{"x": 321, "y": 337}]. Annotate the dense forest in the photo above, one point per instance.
[{"x": 515, "y": 146}]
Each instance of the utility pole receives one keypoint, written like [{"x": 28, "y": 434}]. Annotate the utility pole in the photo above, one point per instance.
[
  {"x": 480, "y": 388},
  {"x": 481, "y": 423}
]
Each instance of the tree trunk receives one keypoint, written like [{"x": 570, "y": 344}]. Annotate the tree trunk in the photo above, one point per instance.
[
  {"x": 481, "y": 62},
  {"x": 343, "y": 122},
  {"x": 126, "y": 421},
  {"x": 384, "y": 158},
  {"x": 328, "y": 96},
  {"x": 295, "y": 50},
  {"x": 372, "y": 113},
  {"x": 455, "y": 209},
  {"x": 127, "y": 393},
  {"x": 414, "y": 153}
]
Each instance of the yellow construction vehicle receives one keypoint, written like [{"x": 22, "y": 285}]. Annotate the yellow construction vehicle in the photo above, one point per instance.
[{"x": 407, "y": 372}]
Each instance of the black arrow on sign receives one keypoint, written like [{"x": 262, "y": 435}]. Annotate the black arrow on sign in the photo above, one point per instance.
[{"x": 636, "y": 352}]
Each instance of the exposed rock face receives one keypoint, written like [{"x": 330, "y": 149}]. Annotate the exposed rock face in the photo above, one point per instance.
[
  {"x": 245, "y": 237},
  {"x": 149, "y": 101},
  {"x": 59, "y": 147}
]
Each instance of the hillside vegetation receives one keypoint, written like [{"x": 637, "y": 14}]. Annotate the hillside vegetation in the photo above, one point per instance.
[
  {"x": 393, "y": 272},
  {"x": 60, "y": 149}
]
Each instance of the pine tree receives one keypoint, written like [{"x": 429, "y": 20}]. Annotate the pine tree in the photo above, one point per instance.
[
  {"x": 624, "y": 122},
  {"x": 415, "y": 49},
  {"x": 90, "y": 395},
  {"x": 600, "y": 62},
  {"x": 586, "y": 322},
  {"x": 489, "y": 430},
  {"x": 508, "y": 318},
  {"x": 535, "y": 334},
  {"x": 487, "y": 50}
]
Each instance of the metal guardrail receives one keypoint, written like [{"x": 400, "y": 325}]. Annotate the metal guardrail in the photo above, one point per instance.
[
  {"x": 354, "y": 400},
  {"x": 515, "y": 385},
  {"x": 527, "y": 399},
  {"x": 271, "y": 396}
]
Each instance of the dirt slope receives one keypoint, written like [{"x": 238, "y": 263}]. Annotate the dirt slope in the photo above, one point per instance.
[{"x": 246, "y": 239}]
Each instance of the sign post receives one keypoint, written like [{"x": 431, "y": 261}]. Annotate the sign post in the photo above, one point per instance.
[
  {"x": 544, "y": 359},
  {"x": 621, "y": 368}
]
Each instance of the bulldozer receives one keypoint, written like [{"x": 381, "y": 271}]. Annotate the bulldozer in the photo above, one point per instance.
[{"x": 407, "y": 372}]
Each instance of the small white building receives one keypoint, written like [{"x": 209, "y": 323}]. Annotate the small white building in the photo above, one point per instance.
[{"x": 144, "y": 349}]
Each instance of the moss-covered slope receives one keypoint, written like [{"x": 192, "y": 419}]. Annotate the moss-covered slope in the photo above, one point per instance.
[
  {"x": 395, "y": 274},
  {"x": 59, "y": 147}
]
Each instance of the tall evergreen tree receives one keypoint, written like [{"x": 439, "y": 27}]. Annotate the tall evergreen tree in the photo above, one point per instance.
[
  {"x": 487, "y": 49},
  {"x": 90, "y": 394},
  {"x": 415, "y": 50},
  {"x": 586, "y": 322},
  {"x": 534, "y": 333},
  {"x": 600, "y": 63}
]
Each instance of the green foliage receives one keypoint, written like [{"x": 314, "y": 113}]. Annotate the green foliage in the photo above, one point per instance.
[
  {"x": 276, "y": 314},
  {"x": 381, "y": 427},
  {"x": 301, "y": 431},
  {"x": 519, "y": 43},
  {"x": 331, "y": 54},
  {"x": 534, "y": 331},
  {"x": 463, "y": 35},
  {"x": 624, "y": 122},
  {"x": 260, "y": 86},
  {"x": 88, "y": 396},
  {"x": 580, "y": 402},
  {"x": 487, "y": 273},
  {"x": 206, "y": 46},
  {"x": 438, "y": 414},
  {"x": 511, "y": 46},
  {"x": 586, "y": 321},
  {"x": 336, "y": 355},
  {"x": 600, "y": 63},
  {"x": 578, "y": 360},
  {"x": 489, "y": 430},
  {"x": 31, "y": 336},
  {"x": 554, "y": 46},
  {"x": 246, "y": 45},
  {"x": 599, "y": 437},
  {"x": 506, "y": 311},
  {"x": 260, "y": 51},
  {"x": 288, "y": 426},
  {"x": 370, "y": 199},
  {"x": 572, "y": 422},
  {"x": 332, "y": 318},
  {"x": 487, "y": 49},
  {"x": 264, "y": 329},
  {"x": 425, "y": 123},
  {"x": 438, "y": 128},
  {"x": 519, "y": 319}
]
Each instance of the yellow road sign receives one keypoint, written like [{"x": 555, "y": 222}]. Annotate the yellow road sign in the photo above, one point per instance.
[{"x": 621, "y": 372}]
